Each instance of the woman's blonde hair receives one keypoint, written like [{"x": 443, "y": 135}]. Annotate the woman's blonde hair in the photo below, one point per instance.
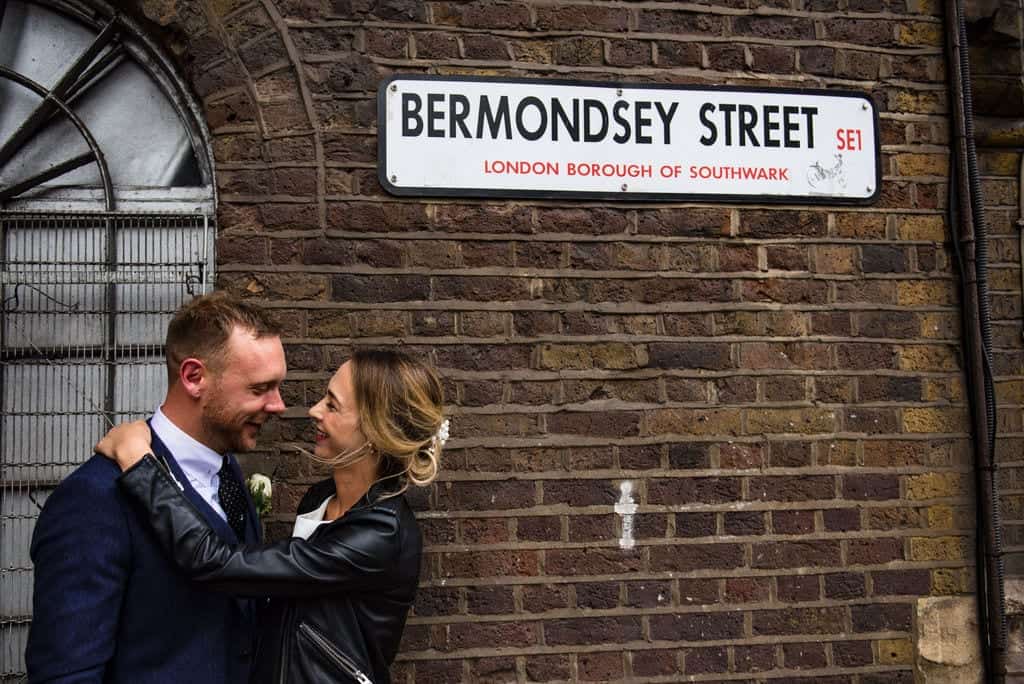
[{"x": 400, "y": 404}]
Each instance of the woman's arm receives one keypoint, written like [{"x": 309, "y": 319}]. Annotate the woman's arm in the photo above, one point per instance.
[{"x": 355, "y": 555}]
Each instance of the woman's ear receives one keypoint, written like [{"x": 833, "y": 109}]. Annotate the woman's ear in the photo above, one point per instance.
[{"x": 192, "y": 375}]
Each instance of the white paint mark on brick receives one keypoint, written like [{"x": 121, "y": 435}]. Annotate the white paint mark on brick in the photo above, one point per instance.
[{"x": 627, "y": 509}]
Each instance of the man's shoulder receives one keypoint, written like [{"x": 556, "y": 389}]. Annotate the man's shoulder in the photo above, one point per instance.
[
  {"x": 98, "y": 472},
  {"x": 86, "y": 505},
  {"x": 93, "y": 484}
]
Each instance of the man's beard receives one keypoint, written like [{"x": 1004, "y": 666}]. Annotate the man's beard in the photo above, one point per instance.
[{"x": 223, "y": 429}]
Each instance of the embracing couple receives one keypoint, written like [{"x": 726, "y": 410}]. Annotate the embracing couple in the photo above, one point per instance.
[{"x": 148, "y": 561}]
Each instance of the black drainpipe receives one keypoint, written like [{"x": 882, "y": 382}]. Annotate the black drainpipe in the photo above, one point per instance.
[{"x": 967, "y": 216}]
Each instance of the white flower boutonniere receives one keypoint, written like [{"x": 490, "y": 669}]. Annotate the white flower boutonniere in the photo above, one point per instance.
[{"x": 261, "y": 489}]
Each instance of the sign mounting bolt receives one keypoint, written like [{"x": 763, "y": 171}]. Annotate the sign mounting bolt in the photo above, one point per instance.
[
  {"x": 394, "y": 88},
  {"x": 624, "y": 187},
  {"x": 619, "y": 92},
  {"x": 864, "y": 105},
  {"x": 394, "y": 178}
]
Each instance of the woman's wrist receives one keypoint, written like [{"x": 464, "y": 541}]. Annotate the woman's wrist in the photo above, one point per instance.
[{"x": 131, "y": 453}]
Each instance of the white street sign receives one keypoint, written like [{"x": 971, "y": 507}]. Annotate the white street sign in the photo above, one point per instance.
[{"x": 540, "y": 138}]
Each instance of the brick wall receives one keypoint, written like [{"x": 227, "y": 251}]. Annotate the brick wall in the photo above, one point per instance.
[{"x": 781, "y": 385}]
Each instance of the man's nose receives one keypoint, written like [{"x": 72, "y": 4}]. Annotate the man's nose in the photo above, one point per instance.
[{"x": 276, "y": 403}]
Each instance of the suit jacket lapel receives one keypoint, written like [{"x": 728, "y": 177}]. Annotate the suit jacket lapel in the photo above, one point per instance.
[{"x": 219, "y": 525}]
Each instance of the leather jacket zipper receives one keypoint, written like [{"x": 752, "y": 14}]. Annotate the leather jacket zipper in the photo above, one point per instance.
[{"x": 334, "y": 655}]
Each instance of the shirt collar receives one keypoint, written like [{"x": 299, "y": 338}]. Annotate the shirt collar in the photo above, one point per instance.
[{"x": 195, "y": 458}]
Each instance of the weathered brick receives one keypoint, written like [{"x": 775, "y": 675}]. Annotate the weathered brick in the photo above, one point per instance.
[
  {"x": 874, "y": 551},
  {"x": 897, "y": 582},
  {"x": 852, "y": 653},
  {"x": 590, "y": 561},
  {"x": 790, "y": 454},
  {"x": 844, "y": 585},
  {"x": 708, "y": 222},
  {"x": 597, "y": 595},
  {"x": 706, "y": 660},
  {"x": 540, "y": 528},
  {"x": 493, "y": 669},
  {"x": 799, "y": 621},
  {"x": 792, "y": 488},
  {"x": 818, "y": 60},
  {"x": 870, "y": 487},
  {"x": 804, "y": 656},
  {"x": 489, "y": 600},
  {"x": 604, "y": 630},
  {"x": 655, "y": 663},
  {"x": 776, "y": 59},
  {"x": 793, "y": 522},
  {"x": 600, "y": 667},
  {"x": 484, "y": 634},
  {"x": 377, "y": 288},
  {"x": 757, "y": 658},
  {"x": 696, "y": 524},
  {"x": 796, "y": 588},
  {"x": 726, "y": 57},
  {"x": 936, "y": 486},
  {"x": 744, "y": 523},
  {"x": 490, "y": 563},
  {"x": 483, "y": 530},
  {"x": 484, "y": 496},
  {"x": 694, "y": 490},
  {"x": 579, "y": 51},
  {"x": 504, "y": 15},
  {"x": 677, "y": 54},
  {"x": 612, "y": 355},
  {"x": 693, "y": 422},
  {"x": 648, "y": 594},
  {"x": 580, "y": 492},
  {"x": 775, "y": 28},
  {"x": 796, "y": 554},
  {"x": 545, "y": 597},
  {"x": 747, "y": 589},
  {"x": 697, "y": 626},
  {"x": 938, "y": 548},
  {"x": 437, "y": 670},
  {"x": 681, "y": 22},
  {"x": 860, "y": 31},
  {"x": 882, "y": 617},
  {"x": 629, "y": 53},
  {"x": 703, "y": 556}
]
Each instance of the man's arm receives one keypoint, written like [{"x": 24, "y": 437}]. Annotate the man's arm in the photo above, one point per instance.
[{"x": 81, "y": 553}]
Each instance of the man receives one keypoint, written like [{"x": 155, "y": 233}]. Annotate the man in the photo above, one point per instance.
[{"x": 108, "y": 605}]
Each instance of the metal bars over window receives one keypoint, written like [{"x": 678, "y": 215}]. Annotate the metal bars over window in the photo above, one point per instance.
[{"x": 86, "y": 298}]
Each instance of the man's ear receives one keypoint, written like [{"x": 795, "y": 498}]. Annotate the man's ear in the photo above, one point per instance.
[{"x": 192, "y": 374}]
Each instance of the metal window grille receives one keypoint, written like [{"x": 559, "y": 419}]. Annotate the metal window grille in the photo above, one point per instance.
[{"x": 86, "y": 301}]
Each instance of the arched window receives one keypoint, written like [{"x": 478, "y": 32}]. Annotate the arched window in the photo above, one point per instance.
[{"x": 106, "y": 204}]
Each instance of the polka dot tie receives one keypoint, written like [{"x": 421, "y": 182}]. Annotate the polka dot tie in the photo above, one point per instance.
[{"x": 232, "y": 499}]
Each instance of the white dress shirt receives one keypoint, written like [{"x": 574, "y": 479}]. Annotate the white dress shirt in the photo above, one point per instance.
[
  {"x": 199, "y": 462},
  {"x": 306, "y": 524}
]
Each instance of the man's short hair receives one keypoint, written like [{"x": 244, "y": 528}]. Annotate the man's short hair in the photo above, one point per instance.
[{"x": 200, "y": 329}]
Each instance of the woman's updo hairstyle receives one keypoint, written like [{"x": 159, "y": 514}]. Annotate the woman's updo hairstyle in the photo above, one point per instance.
[{"x": 400, "y": 403}]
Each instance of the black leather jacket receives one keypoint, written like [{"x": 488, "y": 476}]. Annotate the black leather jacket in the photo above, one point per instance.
[{"x": 338, "y": 601}]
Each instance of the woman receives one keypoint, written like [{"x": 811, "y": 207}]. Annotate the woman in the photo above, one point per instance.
[{"x": 342, "y": 587}]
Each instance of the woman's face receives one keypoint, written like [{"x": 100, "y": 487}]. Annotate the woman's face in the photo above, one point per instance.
[{"x": 336, "y": 418}]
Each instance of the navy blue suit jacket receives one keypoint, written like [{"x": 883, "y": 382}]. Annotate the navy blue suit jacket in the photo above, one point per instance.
[{"x": 108, "y": 605}]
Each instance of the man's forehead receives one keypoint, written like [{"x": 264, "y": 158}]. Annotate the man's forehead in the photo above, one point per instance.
[{"x": 245, "y": 350}]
